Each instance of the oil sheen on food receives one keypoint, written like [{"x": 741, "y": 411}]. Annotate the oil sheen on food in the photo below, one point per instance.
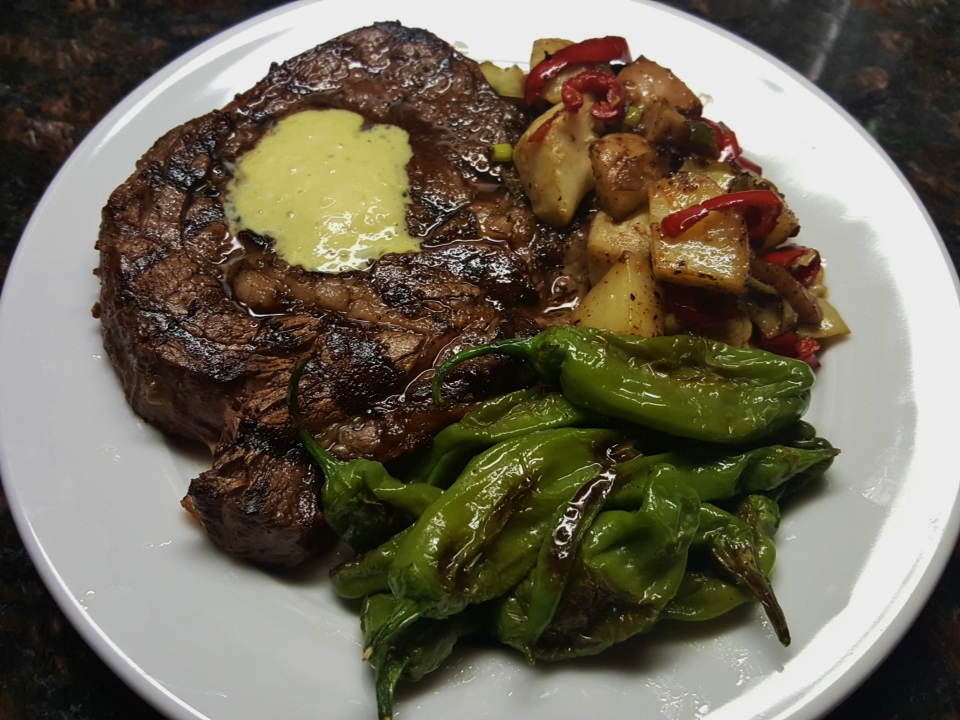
[{"x": 328, "y": 188}]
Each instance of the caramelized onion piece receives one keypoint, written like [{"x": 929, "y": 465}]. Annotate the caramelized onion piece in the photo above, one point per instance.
[{"x": 803, "y": 302}]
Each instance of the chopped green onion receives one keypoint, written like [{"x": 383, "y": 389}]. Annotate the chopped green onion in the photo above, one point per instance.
[
  {"x": 502, "y": 152},
  {"x": 632, "y": 118}
]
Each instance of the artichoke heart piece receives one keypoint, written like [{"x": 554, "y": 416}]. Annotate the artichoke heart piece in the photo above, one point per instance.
[{"x": 553, "y": 161}]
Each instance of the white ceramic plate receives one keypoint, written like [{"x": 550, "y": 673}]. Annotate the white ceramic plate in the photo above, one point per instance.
[{"x": 95, "y": 492}]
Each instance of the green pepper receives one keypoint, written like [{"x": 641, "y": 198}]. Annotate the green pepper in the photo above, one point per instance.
[
  {"x": 559, "y": 552},
  {"x": 369, "y": 572},
  {"x": 629, "y": 565},
  {"x": 418, "y": 650},
  {"x": 741, "y": 550},
  {"x": 683, "y": 385},
  {"x": 482, "y": 536},
  {"x": 500, "y": 418},
  {"x": 715, "y": 475},
  {"x": 362, "y": 502}
]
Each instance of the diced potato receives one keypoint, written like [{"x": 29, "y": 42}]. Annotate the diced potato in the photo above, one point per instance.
[
  {"x": 645, "y": 81},
  {"x": 661, "y": 124},
  {"x": 722, "y": 173},
  {"x": 555, "y": 170},
  {"x": 507, "y": 82},
  {"x": 714, "y": 254},
  {"x": 545, "y": 47},
  {"x": 625, "y": 300},
  {"x": 551, "y": 90},
  {"x": 609, "y": 240},
  {"x": 787, "y": 224},
  {"x": 624, "y": 165},
  {"x": 787, "y": 227}
]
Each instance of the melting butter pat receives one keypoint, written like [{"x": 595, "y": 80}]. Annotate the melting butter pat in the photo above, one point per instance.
[{"x": 329, "y": 190}]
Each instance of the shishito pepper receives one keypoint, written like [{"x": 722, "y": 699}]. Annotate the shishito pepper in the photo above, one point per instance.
[
  {"x": 716, "y": 475},
  {"x": 559, "y": 553},
  {"x": 362, "y": 502},
  {"x": 498, "y": 419},
  {"x": 482, "y": 536},
  {"x": 740, "y": 548},
  {"x": 419, "y": 649},
  {"x": 628, "y": 566},
  {"x": 683, "y": 385}
]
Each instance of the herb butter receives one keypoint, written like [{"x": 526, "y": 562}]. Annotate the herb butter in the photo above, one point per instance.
[{"x": 329, "y": 189}]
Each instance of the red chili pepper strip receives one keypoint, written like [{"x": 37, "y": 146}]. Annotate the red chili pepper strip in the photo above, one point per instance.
[
  {"x": 728, "y": 147},
  {"x": 611, "y": 107},
  {"x": 749, "y": 165},
  {"x": 594, "y": 50},
  {"x": 760, "y": 209},
  {"x": 789, "y": 255},
  {"x": 789, "y": 344},
  {"x": 725, "y": 140},
  {"x": 541, "y": 132}
]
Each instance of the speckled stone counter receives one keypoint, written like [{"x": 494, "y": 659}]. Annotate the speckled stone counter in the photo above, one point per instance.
[{"x": 893, "y": 64}]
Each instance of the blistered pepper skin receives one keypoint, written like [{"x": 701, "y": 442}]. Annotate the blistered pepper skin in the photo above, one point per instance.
[
  {"x": 628, "y": 567},
  {"x": 501, "y": 418},
  {"x": 482, "y": 536},
  {"x": 716, "y": 475},
  {"x": 686, "y": 386},
  {"x": 743, "y": 554}
]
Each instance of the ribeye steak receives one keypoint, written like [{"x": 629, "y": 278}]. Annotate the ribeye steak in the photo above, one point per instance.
[{"x": 203, "y": 326}]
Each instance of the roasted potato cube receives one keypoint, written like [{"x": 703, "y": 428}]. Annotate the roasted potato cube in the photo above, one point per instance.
[
  {"x": 626, "y": 300},
  {"x": 507, "y": 82},
  {"x": 723, "y": 174},
  {"x": 646, "y": 82},
  {"x": 545, "y": 47},
  {"x": 661, "y": 124},
  {"x": 555, "y": 168},
  {"x": 624, "y": 165},
  {"x": 714, "y": 254},
  {"x": 609, "y": 240}
]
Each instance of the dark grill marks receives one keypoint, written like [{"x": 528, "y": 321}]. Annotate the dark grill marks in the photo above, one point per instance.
[{"x": 197, "y": 361}]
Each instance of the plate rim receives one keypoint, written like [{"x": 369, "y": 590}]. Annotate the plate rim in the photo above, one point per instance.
[{"x": 160, "y": 697}]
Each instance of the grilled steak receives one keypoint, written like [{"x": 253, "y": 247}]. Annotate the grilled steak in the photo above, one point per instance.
[{"x": 203, "y": 327}]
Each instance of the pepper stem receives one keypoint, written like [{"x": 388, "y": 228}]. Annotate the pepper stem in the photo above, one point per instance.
[
  {"x": 514, "y": 348},
  {"x": 739, "y": 559},
  {"x": 381, "y": 653},
  {"x": 323, "y": 458}
]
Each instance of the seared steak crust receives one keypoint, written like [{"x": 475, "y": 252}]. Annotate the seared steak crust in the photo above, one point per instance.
[{"x": 203, "y": 326}]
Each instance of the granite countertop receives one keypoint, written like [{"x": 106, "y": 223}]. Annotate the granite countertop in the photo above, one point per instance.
[{"x": 893, "y": 64}]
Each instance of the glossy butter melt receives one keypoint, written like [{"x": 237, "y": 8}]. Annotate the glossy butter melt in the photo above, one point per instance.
[{"x": 329, "y": 189}]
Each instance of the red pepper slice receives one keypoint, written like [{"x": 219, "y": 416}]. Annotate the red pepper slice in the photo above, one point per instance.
[
  {"x": 611, "y": 107},
  {"x": 541, "y": 132},
  {"x": 789, "y": 256},
  {"x": 725, "y": 139},
  {"x": 792, "y": 345},
  {"x": 760, "y": 209},
  {"x": 594, "y": 50},
  {"x": 728, "y": 146}
]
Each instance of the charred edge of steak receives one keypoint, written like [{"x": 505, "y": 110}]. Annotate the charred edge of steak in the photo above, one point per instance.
[{"x": 203, "y": 327}]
